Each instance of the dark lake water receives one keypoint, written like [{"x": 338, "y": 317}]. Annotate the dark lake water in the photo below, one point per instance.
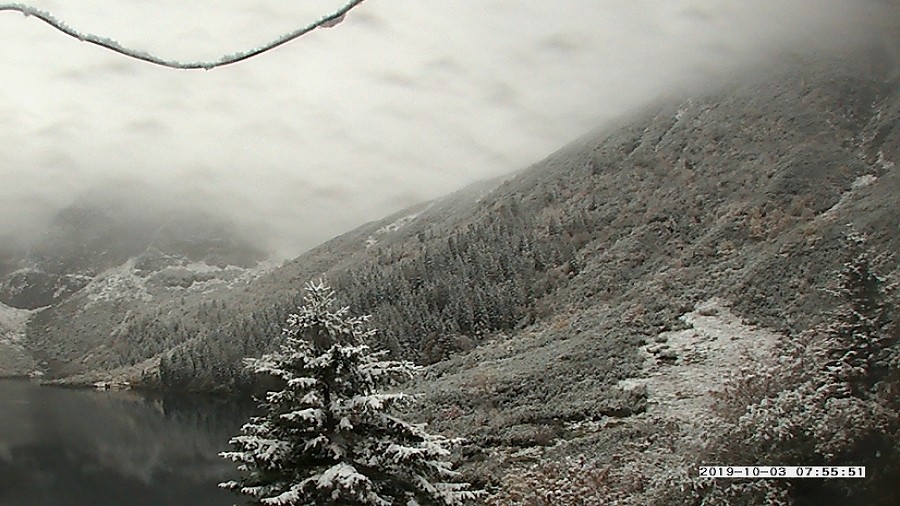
[{"x": 61, "y": 447}]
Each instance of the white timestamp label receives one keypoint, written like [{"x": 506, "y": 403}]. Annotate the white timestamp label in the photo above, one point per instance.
[{"x": 782, "y": 471}]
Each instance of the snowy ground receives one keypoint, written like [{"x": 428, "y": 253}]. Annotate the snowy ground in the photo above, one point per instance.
[
  {"x": 683, "y": 367},
  {"x": 372, "y": 240},
  {"x": 14, "y": 360},
  {"x": 124, "y": 282},
  {"x": 116, "y": 283},
  {"x": 639, "y": 455}
]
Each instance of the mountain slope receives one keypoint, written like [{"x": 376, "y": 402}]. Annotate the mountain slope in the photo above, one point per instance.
[
  {"x": 14, "y": 359},
  {"x": 740, "y": 193},
  {"x": 98, "y": 267}
]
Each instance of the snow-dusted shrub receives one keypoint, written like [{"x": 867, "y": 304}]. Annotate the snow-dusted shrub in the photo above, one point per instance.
[
  {"x": 628, "y": 478},
  {"x": 566, "y": 483},
  {"x": 329, "y": 436}
]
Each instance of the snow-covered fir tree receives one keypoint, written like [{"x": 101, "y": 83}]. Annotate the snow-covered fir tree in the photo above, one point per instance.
[{"x": 329, "y": 436}]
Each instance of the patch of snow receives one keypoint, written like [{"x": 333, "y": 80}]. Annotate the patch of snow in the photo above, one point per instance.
[
  {"x": 683, "y": 109},
  {"x": 116, "y": 283},
  {"x": 860, "y": 182},
  {"x": 25, "y": 270},
  {"x": 230, "y": 277},
  {"x": 871, "y": 132},
  {"x": 62, "y": 287},
  {"x": 393, "y": 227},
  {"x": 204, "y": 268},
  {"x": 397, "y": 225},
  {"x": 682, "y": 368},
  {"x": 864, "y": 180},
  {"x": 884, "y": 162}
]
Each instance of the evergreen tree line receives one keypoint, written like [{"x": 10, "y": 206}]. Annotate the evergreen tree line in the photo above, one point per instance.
[
  {"x": 435, "y": 293},
  {"x": 678, "y": 191},
  {"x": 431, "y": 298},
  {"x": 444, "y": 293}
]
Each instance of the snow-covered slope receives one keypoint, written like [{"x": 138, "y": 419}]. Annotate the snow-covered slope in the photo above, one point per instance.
[
  {"x": 683, "y": 367},
  {"x": 14, "y": 358},
  {"x": 372, "y": 240}
]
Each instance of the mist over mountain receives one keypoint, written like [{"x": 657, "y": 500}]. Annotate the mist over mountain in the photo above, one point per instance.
[
  {"x": 579, "y": 306},
  {"x": 85, "y": 240},
  {"x": 707, "y": 274},
  {"x": 739, "y": 193},
  {"x": 404, "y": 104}
]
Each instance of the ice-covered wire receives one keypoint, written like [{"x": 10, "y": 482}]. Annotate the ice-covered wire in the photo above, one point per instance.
[{"x": 324, "y": 22}]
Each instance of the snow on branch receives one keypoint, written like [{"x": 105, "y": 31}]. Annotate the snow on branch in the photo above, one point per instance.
[{"x": 327, "y": 21}]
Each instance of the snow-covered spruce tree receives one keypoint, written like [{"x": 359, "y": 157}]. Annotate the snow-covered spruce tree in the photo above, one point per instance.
[
  {"x": 328, "y": 437},
  {"x": 863, "y": 335}
]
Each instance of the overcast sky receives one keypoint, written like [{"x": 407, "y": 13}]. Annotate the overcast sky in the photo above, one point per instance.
[{"x": 406, "y": 100}]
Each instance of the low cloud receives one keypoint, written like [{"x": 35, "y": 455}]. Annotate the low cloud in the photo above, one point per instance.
[{"x": 404, "y": 101}]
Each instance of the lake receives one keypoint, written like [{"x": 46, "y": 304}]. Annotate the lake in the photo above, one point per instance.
[{"x": 64, "y": 447}]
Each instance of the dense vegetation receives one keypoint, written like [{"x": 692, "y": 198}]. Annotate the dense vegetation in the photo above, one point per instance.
[{"x": 827, "y": 397}]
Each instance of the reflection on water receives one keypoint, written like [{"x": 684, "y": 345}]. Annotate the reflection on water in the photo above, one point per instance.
[{"x": 81, "y": 447}]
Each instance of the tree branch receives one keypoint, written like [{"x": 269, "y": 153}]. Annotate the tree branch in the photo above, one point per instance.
[{"x": 325, "y": 22}]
